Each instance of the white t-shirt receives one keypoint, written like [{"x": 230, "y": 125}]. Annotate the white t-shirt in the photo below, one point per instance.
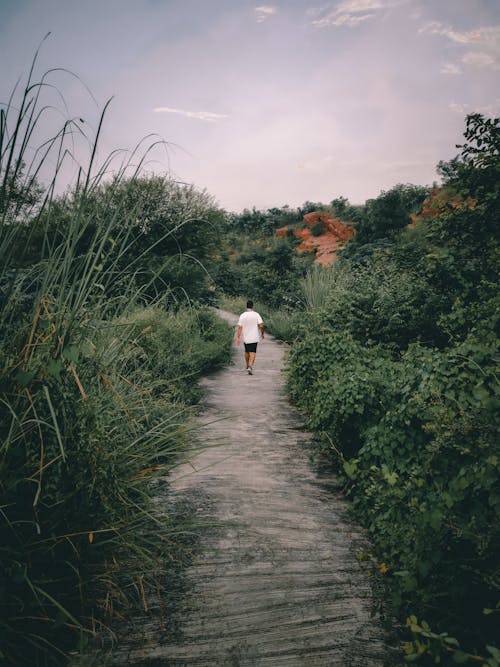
[{"x": 250, "y": 321}]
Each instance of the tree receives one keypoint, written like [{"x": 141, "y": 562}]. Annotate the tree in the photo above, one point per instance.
[
  {"x": 475, "y": 172},
  {"x": 390, "y": 211}
]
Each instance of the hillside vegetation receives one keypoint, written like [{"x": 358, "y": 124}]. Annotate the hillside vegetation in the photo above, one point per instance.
[{"x": 394, "y": 362}]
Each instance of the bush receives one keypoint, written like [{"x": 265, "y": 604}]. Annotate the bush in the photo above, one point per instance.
[
  {"x": 177, "y": 347},
  {"x": 380, "y": 302},
  {"x": 426, "y": 481},
  {"x": 342, "y": 386},
  {"x": 268, "y": 269},
  {"x": 418, "y": 441}
]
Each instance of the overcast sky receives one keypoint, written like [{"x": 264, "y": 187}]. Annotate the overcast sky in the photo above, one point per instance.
[{"x": 270, "y": 104}]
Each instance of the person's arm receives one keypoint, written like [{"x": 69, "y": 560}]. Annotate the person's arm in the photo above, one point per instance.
[
  {"x": 238, "y": 334},
  {"x": 261, "y": 330}
]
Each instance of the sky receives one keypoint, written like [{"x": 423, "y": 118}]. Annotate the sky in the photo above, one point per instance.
[{"x": 266, "y": 104}]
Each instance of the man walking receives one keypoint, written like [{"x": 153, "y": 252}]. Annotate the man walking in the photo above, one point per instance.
[{"x": 251, "y": 329}]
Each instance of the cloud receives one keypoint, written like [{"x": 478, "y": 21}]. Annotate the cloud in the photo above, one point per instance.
[
  {"x": 437, "y": 28},
  {"x": 451, "y": 68},
  {"x": 199, "y": 115},
  {"x": 350, "y": 12},
  {"x": 458, "y": 108},
  {"x": 485, "y": 40},
  {"x": 491, "y": 110},
  {"x": 263, "y": 12},
  {"x": 478, "y": 59}
]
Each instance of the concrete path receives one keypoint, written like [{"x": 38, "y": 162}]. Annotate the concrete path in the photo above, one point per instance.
[{"x": 277, "y": 581}]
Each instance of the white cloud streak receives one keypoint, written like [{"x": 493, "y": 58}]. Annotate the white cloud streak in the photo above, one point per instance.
[
  {"x": 264, "y": 12},
  {"x": 350, "y": 13},
  {"x": 458, "y": 108},
  {"x": 451, "y": 68},
  {"x": 485, "y": 38},
  {"x": 478, "y": 59},
  {"x": 437, "y": 28},
  {"x": 198, "y": 115},
  {"x": 483, "y": 43}
]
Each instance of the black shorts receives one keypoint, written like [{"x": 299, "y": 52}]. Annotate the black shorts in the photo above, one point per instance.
[{"x": 250, "y": 347}]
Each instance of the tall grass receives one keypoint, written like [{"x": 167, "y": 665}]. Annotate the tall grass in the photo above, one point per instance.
[
  {"x": 286, "y": 325},
  {"x": 85, "y": 421},
  {"x": 318, "y": 284}
]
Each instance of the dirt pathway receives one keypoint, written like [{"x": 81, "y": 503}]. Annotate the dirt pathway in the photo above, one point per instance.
[{"x": 277, "y": 582}]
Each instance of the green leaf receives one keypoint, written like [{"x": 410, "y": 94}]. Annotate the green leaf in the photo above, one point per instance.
[
  {"x": 57, "y": 604},
  {"x": 350, "y": 468},
  {"x": 451, "y": 641},
  {"x": 71, "y": 354},
  {"x": 460, "y": 658},
  {"x": 54, "y": 368},
  {"x": 391, "y": 478},
  {"x": 448, "y": 500},
  {"x": 25, "y": 378},
  {"x": 480, "y": 393},
  {"x": 494, "y": 651},
  {"x": 435, "y": 519}
]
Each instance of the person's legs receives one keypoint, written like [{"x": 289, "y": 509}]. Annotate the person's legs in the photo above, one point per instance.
[{"x": 250, "y": 350}]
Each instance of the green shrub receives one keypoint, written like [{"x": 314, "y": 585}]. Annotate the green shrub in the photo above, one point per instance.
[
  {"x": 419, "y": 446},
  {"x": 426, "y": 482},
  {"x": 341, "y": 385},
  {"x": 266, "y": 269},
  {"x": 381, "y": 302},
  {"x": 176, "y": 347},
  {"x": 318, "y": 229}
]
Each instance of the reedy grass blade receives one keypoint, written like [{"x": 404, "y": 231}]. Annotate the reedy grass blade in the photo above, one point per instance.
[{"x": 54, "y": 421}]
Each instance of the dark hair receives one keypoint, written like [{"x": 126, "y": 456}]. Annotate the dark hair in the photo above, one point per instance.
[{"x": 249, "y": 304}]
